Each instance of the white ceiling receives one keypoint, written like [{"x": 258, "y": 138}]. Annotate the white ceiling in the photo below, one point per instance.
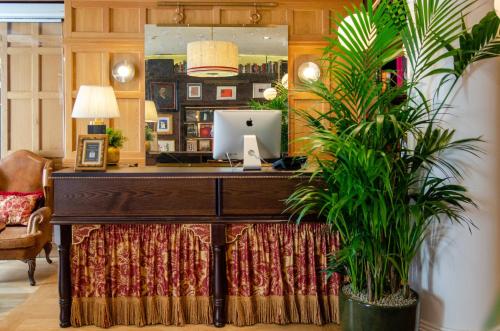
[{"x": 250, "y": 40}]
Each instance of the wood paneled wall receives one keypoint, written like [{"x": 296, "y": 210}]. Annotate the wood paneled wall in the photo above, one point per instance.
[
  {"x": 32, "y": 94},
  {"x": 99, "y": 33}
]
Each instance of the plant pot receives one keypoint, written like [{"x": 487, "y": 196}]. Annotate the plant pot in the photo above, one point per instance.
[
  {"x": 113, "y": 155},
  {"x": 148, "y": 146},
  {"x": 359, "y": 316}
]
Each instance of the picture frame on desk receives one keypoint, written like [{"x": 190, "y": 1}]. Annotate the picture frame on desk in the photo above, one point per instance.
[
  {"x": 194, "y": 91},
  {"x": 166, "y": 124},
  {"x": 258, "y": 90},
  {"x": 166, "y": 145},
  {"x": 91, "y": 152},
  {"x": 164, "y": 94}
]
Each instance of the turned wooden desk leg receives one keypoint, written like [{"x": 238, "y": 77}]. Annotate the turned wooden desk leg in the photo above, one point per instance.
[
  {"x": 63, "y": 240},
  {"x": 220, "y": 279}
]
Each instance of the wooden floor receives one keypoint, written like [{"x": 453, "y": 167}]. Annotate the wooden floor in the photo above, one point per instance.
[{"x": 27, "y": 308}]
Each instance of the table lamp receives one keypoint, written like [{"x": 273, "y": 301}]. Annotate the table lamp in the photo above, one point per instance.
[
  {"x": 151, "y": 115},
  {"x": 97, "y": 103}
]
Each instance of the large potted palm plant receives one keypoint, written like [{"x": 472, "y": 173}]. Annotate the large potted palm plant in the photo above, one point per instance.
[{"x": 381, "y": 150}]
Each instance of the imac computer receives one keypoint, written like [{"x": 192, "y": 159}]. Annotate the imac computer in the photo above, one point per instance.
[{"x": 248, "y": 135}]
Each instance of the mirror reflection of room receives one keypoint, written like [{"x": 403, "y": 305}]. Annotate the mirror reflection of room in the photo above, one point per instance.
[{"x": 191, "y": 72}]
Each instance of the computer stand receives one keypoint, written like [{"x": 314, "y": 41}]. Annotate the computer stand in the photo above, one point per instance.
[{"x": 251, "y": 155}]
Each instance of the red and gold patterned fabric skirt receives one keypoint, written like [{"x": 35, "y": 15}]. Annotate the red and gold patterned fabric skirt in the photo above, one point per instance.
[{"x": 160, "y": 274}]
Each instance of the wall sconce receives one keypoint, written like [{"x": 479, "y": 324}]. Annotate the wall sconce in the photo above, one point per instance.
[
  {"x": 309, "y": 72},
  {"x": 497, "y": 7},
  {"x": 270, "y": 93},
  {"x": 123, "y": 71}
]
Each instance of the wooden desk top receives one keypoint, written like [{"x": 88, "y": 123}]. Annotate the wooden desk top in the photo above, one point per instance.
[{"x": 154, "y": 171}]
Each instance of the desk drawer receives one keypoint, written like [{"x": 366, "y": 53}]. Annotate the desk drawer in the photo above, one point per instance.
[
  {"x": 256, "y": 196},
  {"x": 127, "y": 196}
]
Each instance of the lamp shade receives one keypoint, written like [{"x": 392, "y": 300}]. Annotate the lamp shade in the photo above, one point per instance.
[
  {"x": 151, "y": 115},
  {"x": 95, "y": 102},
  {"x": 212, "y": 58}
]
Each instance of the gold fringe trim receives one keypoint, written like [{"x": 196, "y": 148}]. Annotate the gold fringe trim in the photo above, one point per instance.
[
  {"x": 106, "y": 312},
  {"x": 307, "y": 309}
]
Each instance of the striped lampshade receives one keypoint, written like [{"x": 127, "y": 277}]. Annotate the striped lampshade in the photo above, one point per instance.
[{"x": 211, "y": 58}]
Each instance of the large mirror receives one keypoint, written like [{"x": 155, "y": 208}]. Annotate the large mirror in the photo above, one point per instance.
[{"x": 219, "y": 76}]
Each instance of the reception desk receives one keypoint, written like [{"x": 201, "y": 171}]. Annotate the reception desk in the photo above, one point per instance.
[{"x": 162, "y": 195}]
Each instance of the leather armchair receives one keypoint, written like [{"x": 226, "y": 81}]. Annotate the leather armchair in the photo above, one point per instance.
[{"x": 24, "y": 171}]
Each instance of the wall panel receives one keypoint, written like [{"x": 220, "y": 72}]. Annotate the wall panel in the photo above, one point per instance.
[
  {"x": 89, "y": 19},
  {"x": 125, "y": 20},
  {"x": 20, "y": 118},
  {"x": 32, "y": 88}
]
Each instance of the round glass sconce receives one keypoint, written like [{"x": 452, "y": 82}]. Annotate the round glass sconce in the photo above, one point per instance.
[
  {"x": 270, "y": 93},
  {"x": 123, "y": 71},
  {"x": 309, "y": 72},
  {"x": 497, "y": 7}
]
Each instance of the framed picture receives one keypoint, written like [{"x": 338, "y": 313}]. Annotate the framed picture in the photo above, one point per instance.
[
  {"x": 91, "y": 152},
  {"x": 166, "y": 145},
  {"x": 191, "y": 130},
  {"x": 204, "y": 145},
  {"x": 258, "y": 90},
  {"x": 226, "y": 93},
  {"x": 191, "y": 115},
  {"x": 164, "y": 94},
  {"x": 165, "y": 124},
  {"x": 205, "y": 130},
  {"x": 191, "y": 145},
  {"x": 206, "y": 116},
  {"x": 194, "y": 91}
]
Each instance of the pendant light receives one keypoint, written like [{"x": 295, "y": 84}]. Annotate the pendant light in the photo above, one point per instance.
[{"x": 212, "y": 58}]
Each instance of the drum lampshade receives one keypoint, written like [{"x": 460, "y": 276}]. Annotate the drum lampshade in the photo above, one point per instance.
[{"x": 212, "y": 58}]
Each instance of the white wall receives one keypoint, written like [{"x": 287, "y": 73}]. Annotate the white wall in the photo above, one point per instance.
[{"x": 459, "y": 280}]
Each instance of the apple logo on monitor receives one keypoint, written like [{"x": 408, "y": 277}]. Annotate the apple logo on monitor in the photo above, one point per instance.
[{"x": 249, "y": 122}]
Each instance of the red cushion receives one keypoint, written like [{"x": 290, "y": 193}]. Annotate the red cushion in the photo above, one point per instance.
[{"x": 16, "y": 207}]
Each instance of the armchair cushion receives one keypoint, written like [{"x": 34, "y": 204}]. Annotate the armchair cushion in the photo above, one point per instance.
[
  {"x": 16, "y": 237},
  {"x": 16, "y": 207}
]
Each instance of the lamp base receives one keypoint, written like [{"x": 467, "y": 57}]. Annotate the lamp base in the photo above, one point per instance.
[{"x": 96, "y": 129}]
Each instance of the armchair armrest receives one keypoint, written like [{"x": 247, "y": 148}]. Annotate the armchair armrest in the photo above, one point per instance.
[{"x": 38, "y": 218}]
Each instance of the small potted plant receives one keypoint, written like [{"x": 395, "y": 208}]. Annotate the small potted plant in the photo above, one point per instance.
[
  {"x": 149, "y": 137},
  {"x": 115, "y": 142}
]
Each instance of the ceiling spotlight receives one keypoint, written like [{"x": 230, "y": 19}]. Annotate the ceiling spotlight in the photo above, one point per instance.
[{"x": 267, "y": 37}]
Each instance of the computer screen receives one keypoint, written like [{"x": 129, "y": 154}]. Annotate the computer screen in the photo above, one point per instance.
[{"x": 231, "y": 127}]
